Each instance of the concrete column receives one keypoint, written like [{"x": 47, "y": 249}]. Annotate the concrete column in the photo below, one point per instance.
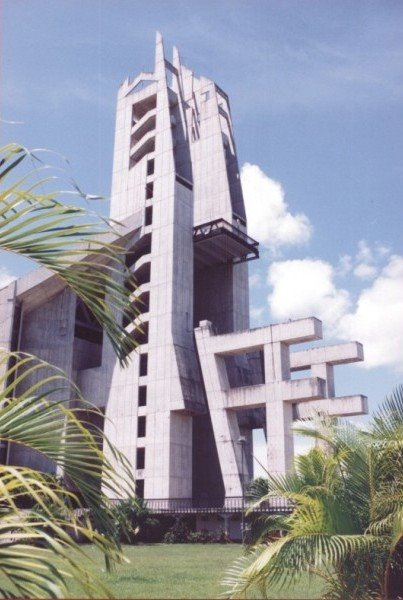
[
  {"x": 224, "y": 422},
  {"x": 248, "y": 456},
  {"x": 280, "y": 443},
  {"x": 276, "y": 361},
  {"x": 326, "y": 372}
]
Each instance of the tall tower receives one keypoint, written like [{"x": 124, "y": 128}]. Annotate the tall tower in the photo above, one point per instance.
[
  {"x": 200, "y": 381},
  {"x": 175, "y": 165}
]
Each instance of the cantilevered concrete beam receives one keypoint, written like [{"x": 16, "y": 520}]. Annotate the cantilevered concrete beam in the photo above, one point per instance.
[
  {"x": 332, "y": 355},
  {"x": 344, "y": 406},
  {"x": 284, "y": 399},
  {"x": 257, "y": 396}
]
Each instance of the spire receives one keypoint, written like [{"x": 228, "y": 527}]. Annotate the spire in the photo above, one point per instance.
[
  {"x": 176, "y": 60},
  {"x": 159, "y": 54}
]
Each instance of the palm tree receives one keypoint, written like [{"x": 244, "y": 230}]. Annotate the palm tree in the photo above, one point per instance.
[
  {"x": 40, "y": 515},
  {"x": 346, "y": 523}
]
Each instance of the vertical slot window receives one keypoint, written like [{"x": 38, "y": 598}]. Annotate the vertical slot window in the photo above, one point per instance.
[
  {"x": 141, "y": 427},
  {"x": 143, "y": 364},
  {"x": 149, "y": 215},
  {"x": 140, "y": 488},
  {"x": 149, "y": 190},
  {"x": 140, "y": 458},
  {"x": 150, "y": 167},
  {"x": 142, "y": 396}
]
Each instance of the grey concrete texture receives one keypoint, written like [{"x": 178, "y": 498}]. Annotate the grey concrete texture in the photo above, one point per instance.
[{"x": 200, "y": 377}]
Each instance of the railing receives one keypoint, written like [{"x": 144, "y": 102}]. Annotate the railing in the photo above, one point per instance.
[
  {"x": 219, "y": 226},
  {"x": 215, "y": 505}
]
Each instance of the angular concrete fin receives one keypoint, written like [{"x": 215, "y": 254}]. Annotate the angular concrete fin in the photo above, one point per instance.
[
  {"x": 159, "y": 54},
  {"x": 176, "y": 60}
]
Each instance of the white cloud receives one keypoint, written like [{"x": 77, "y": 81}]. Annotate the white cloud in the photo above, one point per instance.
[
  {"x": 364, "y": 253},
  {"x": 5, "y": 277},
  {"x": 257, "y": 312},
  {"x": 269, "y": 220},
  {"x": 365, "y": 271},
  {"x": 302, "y": 288},
  {"x": 377, "y": 319},
  {"x": 381, "y": 250},
  {"x": 255, "y": 280},
  {"x": 367, "y": 261},
  {"x": 344, "y": 265}
]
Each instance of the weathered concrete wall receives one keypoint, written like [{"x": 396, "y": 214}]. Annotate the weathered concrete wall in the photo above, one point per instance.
[{"x": 48, "y": 333}]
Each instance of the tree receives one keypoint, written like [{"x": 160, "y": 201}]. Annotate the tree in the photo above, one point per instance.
[
  {"x": 40, "y": 408},
  {"x": 346, "y": 522}
]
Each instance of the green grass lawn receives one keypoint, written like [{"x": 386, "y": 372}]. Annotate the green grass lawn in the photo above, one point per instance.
[{"x": 175, "y": 571}]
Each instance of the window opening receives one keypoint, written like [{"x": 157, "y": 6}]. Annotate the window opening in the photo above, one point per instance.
[
  {"x": 141, "y": 427},
  {"x": 86, "y": 325},
  {"x": 149, "y": 190},
  {"x": 140, "y": 488},
  {"x": 150, "y": 167},
  {"x": 142, "y": 395},
  {"x": 149, "y": 215},
  {"x": 140, "y": 458},
  {"x": 143, "y": 364}
]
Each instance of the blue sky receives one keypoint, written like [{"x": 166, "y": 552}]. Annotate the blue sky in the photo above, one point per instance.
[{"x": 316, "y": 96}]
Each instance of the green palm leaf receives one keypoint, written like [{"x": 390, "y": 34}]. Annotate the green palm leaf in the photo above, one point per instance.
[
  {"x": 29, "y": 416},
  {"x": 346, "y": 524},
  {"x": 79, "y": 247}
]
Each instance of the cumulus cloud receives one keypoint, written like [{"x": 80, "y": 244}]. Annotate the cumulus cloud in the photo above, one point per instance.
[
  {"x": 377, "y": 319},
  {"x": 306, "y": 287},
  {"x": 255, "y": 280},
  {"x": 345, "y": 265},
  {"x": 5, "y": 277},
  {"x": 257, "y": 313},
  {"x": 302, "y": 288},
  {"x": 269, "y": 220},
  {"x": 365, "y": 271},
  {"x": 364, "y": 253},
  {"x": 367, "y": 261}
]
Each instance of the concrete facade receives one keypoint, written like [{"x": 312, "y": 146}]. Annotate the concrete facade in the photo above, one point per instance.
[{"x": 201, "y": 379}]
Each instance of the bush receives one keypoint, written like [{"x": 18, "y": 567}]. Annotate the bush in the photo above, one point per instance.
[
  {"x": 131, "y": 517},
  {"x": 223, "y": 537},
  {"x": 200, "y": 537},
  {"x": 179, "y": 533}
]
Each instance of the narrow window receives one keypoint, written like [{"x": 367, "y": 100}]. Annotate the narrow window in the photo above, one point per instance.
[
  {"x": 140, "y": 458},
  {"x": 149, "y": 215},
  {"x": 143, "y": 364},
  {"x": 141, "y": 427},
  {"x": 149, "y": 190},
  {"x": 142, "y": 396},
  {"x": 150, "y": 167},
  {"x": 140, "y": 488}
]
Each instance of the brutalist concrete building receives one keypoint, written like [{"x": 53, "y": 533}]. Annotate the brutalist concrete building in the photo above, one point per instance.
[{"x": 201, "y": 380}]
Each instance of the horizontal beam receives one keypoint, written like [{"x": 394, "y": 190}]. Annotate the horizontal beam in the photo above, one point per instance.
[
  {"x": 255, "y": 396},
  {"x": 332, "y": 355},
  {"x": 344, "y": 406},
  {"x": 291, "y": 332}
]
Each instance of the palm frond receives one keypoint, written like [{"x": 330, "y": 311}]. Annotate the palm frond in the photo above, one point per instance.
[
  {"x": 32, "y": 414},
  {"x": 73, "y": 243},
  {"x": 387, "y": 424}
]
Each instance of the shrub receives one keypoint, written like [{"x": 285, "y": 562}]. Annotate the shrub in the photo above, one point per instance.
[
  {"x": 177, "y": 534},
  {"x": 132, "y": 516},
  {"x": 200, "y": 537}
]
